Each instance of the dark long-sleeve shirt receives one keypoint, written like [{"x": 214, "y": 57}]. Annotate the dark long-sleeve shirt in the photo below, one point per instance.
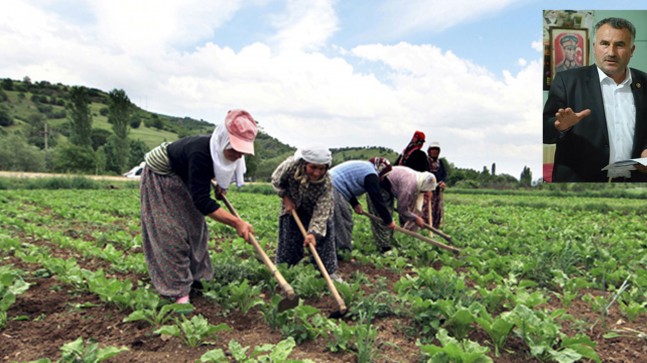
[{"x": 191, "y": 160}]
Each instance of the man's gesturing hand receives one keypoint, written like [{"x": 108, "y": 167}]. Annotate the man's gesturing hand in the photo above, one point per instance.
[{"x": 567, "y": 118}]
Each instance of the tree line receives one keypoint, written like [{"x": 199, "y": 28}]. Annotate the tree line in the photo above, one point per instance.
[{"x": 61, "y": 137}]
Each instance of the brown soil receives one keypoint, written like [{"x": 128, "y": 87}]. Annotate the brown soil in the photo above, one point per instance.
[{"x": 51, "y": 315}]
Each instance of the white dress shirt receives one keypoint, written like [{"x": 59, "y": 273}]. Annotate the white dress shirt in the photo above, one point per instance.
[{"x": 620, "y": 112}]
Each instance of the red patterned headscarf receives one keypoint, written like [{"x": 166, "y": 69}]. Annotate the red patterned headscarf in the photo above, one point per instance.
[
  {"x": 416, "y": 143},
  {"x": 382, "y": 165}
]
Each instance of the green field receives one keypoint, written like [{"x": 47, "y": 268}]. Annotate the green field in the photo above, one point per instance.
[{"x": 540, "y": 278}]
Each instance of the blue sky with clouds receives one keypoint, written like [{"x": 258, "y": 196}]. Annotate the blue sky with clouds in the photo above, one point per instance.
[{"x": 337, "y": 72}]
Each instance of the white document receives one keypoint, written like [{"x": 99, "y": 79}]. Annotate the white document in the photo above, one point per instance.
[{"x": 628, "y": 164}]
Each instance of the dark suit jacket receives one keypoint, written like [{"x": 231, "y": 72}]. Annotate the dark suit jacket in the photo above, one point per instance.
[{"x": 584, "y": 150}]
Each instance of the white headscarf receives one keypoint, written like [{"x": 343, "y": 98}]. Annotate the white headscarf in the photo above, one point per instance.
[
  {"x": 226, "y": 171},
  {"x": 316, "y": 154},
  {"x": 426, "y": 182}
]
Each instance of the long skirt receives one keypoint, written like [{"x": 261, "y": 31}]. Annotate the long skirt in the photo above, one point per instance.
[
  {"x": 174, "y": 235},
  {"x": 343, "y": 218},
  {"x": 383, "y": 236},
  {"x": 436, "y": 208},
  {"x": 291, "y": 249}
]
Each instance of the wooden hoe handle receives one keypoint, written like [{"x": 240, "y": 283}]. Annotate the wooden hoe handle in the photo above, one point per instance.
[
  {"x": 416, "y": 235},
  {"x": 285, "y": 286},
  {"x": 322, "y": 268}
]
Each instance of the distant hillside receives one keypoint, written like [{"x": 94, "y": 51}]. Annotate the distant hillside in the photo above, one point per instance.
[{"x": 22, "y": 100}]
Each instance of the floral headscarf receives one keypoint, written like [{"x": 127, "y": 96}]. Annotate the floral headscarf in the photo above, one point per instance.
[{"x": 416, "y": 143}]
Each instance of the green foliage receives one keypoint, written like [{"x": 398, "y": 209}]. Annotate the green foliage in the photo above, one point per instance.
[
  {"x": 238, "y": 295},
  {"x": 307, "y": 281},
  {"x": 455, "y": 351},
  {"x": 81, "y": 117},
  {"x": 18, "y": 155},
  {"x": 302, "y": 322},
  {"x": 99, "y": 138},
  {"x": 265, "y": 353},
  {"x": 79, "y": 351},
  {"x": 432, "y": 284},
  {"x": 498, "y": 328},
  {"x": 11, "y": 285},
  {"x": 74, "y": 159},
  {"x": 112, "y": 291},
  {"x": 119, "y": 111},
  {"x": 541, "y": 333},
  {"x": 137, "y": 151},
  {"x": 156, "y": 313},
  {"x": 5, "y": 118},
  {"x": 194, "y": 331}
]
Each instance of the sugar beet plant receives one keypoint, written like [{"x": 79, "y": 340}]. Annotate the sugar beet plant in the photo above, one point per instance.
[
  {"x": 519, "y": 251},
  {"x": 11, "y": 285}
]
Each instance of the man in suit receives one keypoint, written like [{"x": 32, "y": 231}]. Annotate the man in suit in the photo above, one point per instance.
[{"x": 597, "y": 115}]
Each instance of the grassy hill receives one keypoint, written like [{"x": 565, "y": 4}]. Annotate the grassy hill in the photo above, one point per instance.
[{"x": 21, "y": 101}]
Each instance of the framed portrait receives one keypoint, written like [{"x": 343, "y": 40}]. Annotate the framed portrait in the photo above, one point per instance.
[{"x": 569, "y": 48}]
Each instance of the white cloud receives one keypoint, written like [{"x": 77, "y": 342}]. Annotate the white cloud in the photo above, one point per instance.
[
  {"x": 437, "y": 15},
  {"x": 146, "y": 26},
  {"x": 306, "y": 25},
  {"x": 296, "y": 91}
]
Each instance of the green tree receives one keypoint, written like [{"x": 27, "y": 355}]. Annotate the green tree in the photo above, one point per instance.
[
  {"x": 120, "y": 109},
  {"x": 81, "y": 117},
  {"x": 38, "y": 130},
  {"x": 18, "y": 155},
  {"x": 99, "y": 138},
  {"x": 7, "y": 84},
  {"x": 137, "y": 151},
  {"x": 75, "y": 159},
  {"x": 5, "y": 118},
  {"x": 526, "y": 177}
]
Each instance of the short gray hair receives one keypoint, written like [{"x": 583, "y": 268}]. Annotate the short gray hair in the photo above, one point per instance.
[{"x": 618, "y": 23}]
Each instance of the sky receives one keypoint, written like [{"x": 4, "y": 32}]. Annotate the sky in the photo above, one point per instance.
[{"x": 338, "y": 73}]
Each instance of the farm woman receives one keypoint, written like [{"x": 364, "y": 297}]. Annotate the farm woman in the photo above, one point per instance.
[
  {"x": 408, "y": 187},
  {"x": 303, "y": 183},
  {"x": 175, "y": 198},
  {"x": 350, "y": 180}
]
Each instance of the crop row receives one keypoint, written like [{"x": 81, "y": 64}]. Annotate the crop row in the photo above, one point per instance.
[{"x": 520, "y": 255}]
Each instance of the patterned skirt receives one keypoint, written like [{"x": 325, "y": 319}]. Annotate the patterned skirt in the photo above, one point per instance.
[
  {"x": 436, "y": 208},
  {"x": 291, "y": 249},
  {"x": 174, "y": 235},
  {"x": 343, "y": 217},
  {"x": 383, "y": 236}
]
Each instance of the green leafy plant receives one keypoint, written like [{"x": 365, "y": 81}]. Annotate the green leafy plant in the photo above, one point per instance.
[
  {"x": 194, "y": 331},
  {"x": 424, "y": 313},
  {"x": 157, "y": 314},
  {"x": 79, "y": 351},
  {"x": 11, "y": 285},
  {"x": 453, "y": 350},
  {"x": 365, "y": 335},
  {"x": 540, "y": 331},
  {"x": 308, "y": 283},
  {"x": 458, "y": 318},
  {"x": 243, "y": 296},
  {"x": 498, "y": 328},
  {"x": 266, "y": 353},
  {"x": 302, "y": 323},
  {"x": 112, "y": 291}
]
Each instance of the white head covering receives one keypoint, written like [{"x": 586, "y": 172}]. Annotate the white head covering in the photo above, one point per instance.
[
  {"x": 426, "y": 182},
  {"x": 315, "y": 154},
  {"x": 226, "y": 171}
]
